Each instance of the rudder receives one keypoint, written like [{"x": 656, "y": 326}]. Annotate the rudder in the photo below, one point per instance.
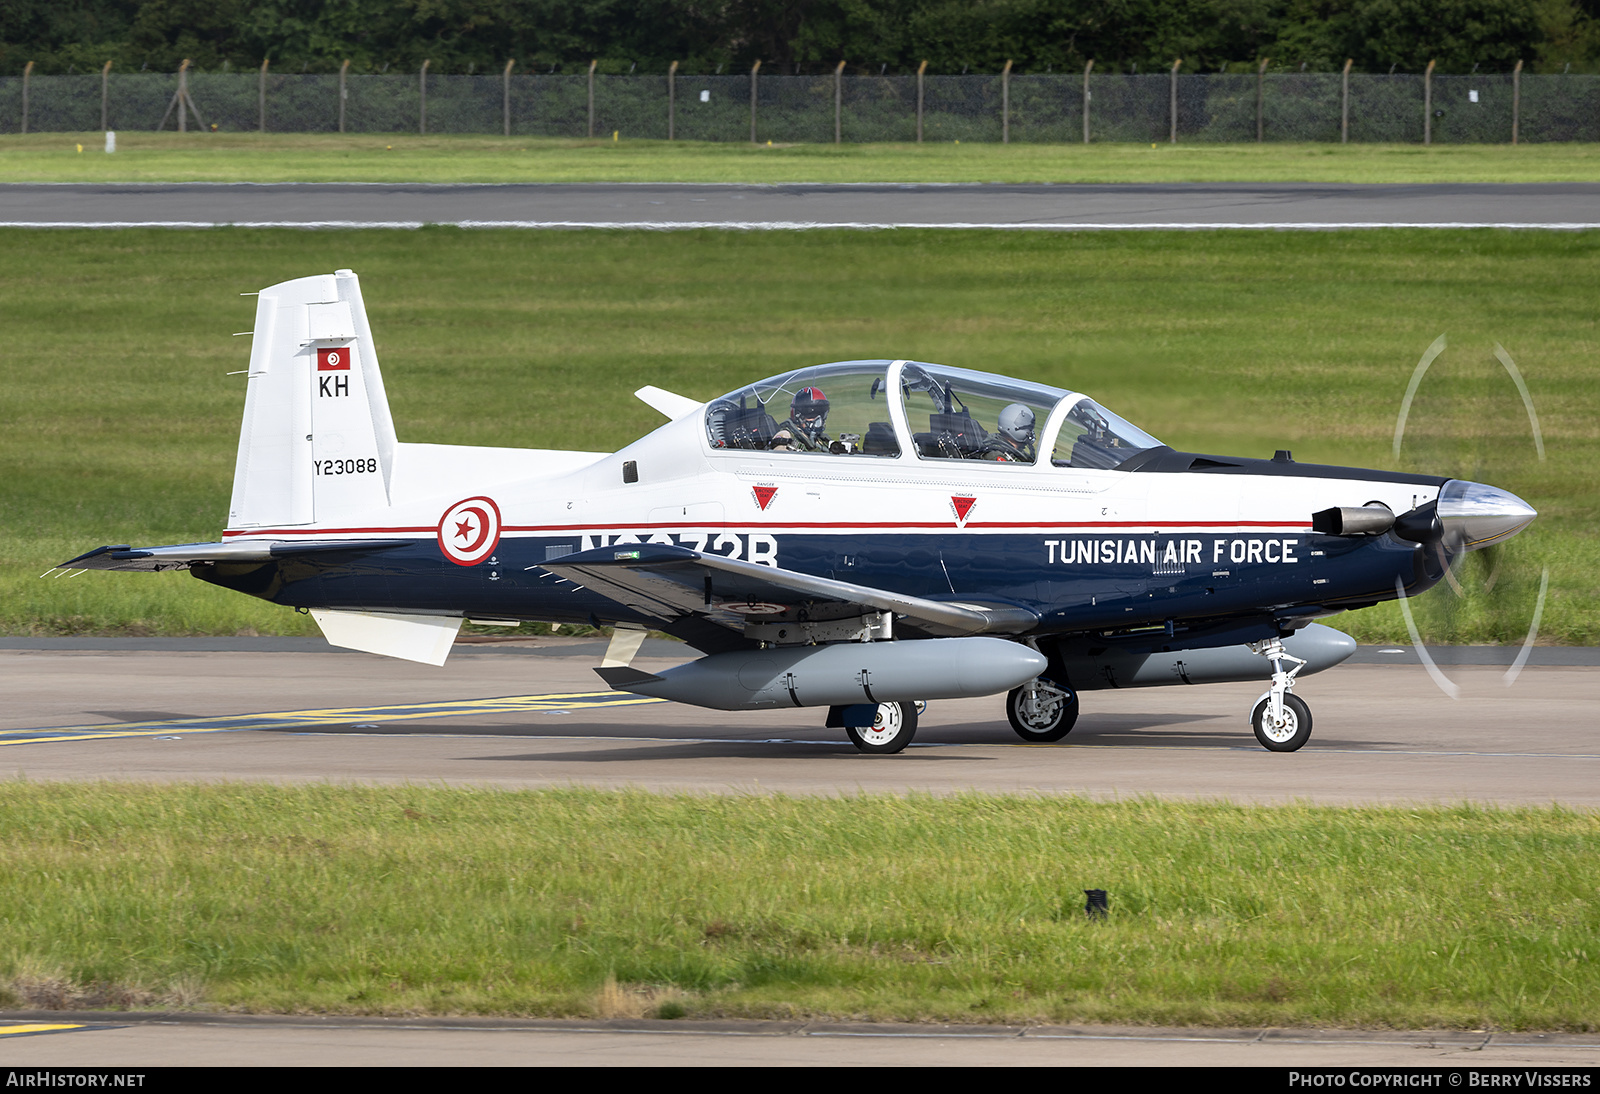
[{"x": 318, "y": 442}]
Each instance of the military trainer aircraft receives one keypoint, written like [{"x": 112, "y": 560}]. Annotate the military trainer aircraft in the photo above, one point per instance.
[{"x": 860, "y": 536}]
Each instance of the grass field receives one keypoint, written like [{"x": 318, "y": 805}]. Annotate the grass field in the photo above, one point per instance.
[
  {"x": 588, "y": 903},
  {"x": 250, "y": 157},
  {"x": 121, "y": 421}
]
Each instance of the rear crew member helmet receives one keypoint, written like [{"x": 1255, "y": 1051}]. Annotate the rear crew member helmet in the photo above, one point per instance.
[{"x": 1016, "y": 422}]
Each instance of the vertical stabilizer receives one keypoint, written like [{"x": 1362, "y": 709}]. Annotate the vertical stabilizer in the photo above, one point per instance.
[{"x": 318, "y": 442}]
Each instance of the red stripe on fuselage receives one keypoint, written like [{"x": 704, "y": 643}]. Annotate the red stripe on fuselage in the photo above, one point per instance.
[{"x": 1155, "y": 528}]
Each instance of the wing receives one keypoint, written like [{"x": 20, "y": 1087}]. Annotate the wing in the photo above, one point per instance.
[
  {"x": 670, "y": 583},
  {"x": 184, "y": 555}
]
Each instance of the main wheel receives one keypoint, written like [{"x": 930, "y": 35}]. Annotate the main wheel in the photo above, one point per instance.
[
  {"x": 1295, "y": 730},
  {"x": 1040, "y": 712},
  {"x": 893, "y": 726}
]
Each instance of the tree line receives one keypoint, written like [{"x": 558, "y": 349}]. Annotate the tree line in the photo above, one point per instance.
[{"x": 800, "y": 36}]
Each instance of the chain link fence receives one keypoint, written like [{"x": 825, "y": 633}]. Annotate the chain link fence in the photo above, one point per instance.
[{"x": 820, "y": 109}]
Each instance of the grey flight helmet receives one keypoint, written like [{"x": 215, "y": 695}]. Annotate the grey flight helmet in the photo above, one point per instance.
[{"x": 1016, "y": 422}]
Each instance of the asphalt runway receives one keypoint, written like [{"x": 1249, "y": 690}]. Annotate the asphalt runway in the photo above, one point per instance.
[
  {"x": 534, "y": 714},
  {"x": 796, "y": 206}
]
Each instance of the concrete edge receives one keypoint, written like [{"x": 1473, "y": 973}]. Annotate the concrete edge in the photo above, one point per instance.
[{"x": 729, "y": 1027}]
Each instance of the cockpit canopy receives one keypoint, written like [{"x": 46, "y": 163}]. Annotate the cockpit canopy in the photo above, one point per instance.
[{"x": 884, "y": 408}]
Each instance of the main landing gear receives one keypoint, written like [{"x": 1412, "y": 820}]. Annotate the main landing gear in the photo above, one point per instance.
[
  {"x": 1040, "y": 712},
  {"x": 883, "y": 729},
  {"x": 1281, "y": 721}
]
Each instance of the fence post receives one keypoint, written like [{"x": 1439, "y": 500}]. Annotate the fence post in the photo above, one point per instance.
[
  {"x": 261, "y": 92},
  {"x": 838, "y": 104},
  {"x": 1516, "y": 99},
  {"x": 27, "y": 74},
  {"x": 1344, "y": 103},
  {"x": 344, "y": 71},
  {"x": 921, "y": 69},
  {"x": 672, "y": 101},
  {"x": 591, "y": 95},
  {"x": 754, "y": 71},
  {"x": 105, "y": 97},
  {"x": 1173, "y": 109},
  {"x": 1005, "y": 103},
  {"x": 1427, "y": 104},
  {"x": 1261, "y": 76},
  {"x": 505, "y": 80},
  {"x": 183, "y": 95},
  {"x": 1088, "y": 68},
  {"x": 422, "y": 115}
]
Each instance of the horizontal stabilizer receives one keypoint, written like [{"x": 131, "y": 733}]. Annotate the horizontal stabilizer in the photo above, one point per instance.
[
  {"x": 666, "y": 582},
  {"x": 424, "y": 638},
  {"x": 183, "y": 555}
]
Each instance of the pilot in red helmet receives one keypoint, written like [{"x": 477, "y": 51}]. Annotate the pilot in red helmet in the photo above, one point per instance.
[{"x": 808, "y": 415}]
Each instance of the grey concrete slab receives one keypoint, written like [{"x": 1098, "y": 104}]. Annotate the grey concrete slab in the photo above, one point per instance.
[
  {"x": 130, "y": 1041},
  {"x": 797, "y": 205}
]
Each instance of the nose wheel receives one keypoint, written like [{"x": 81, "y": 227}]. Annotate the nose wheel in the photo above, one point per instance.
[{"x": 1285, "y": 734}]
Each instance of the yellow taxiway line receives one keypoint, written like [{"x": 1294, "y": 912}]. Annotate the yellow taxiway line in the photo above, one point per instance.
[{"x": 292, "y": 720}]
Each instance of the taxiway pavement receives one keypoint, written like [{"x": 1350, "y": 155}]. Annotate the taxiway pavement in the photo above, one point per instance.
[
  {"x": 1568, "y": 205},
  {"x": 1384, "y": 733},
  {"x": 131, "y": 1041}
]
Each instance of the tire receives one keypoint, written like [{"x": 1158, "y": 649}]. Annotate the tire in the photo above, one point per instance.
[
  {"x": 1295, "y": 731},
  {"x": 892, "y": 729},
  {"x": 1042, "y": 713}
]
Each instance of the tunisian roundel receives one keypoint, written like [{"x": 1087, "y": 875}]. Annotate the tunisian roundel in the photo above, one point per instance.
[{"x": 469, "y": 531}]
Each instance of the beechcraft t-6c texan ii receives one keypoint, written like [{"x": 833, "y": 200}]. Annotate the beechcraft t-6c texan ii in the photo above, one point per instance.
[{"x": 859, "y": 536}]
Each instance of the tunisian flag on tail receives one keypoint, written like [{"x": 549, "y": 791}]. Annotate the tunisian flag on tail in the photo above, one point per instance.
[{"x": 334, "y": 360}]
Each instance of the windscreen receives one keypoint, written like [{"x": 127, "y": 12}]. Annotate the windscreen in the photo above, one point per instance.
[{"x": 1092, "y": 436}]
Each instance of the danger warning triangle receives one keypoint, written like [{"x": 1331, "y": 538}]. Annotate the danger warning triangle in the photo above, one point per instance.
[
  {"x": 963, "y": 506},
  {"x": 764, "y": 495}
]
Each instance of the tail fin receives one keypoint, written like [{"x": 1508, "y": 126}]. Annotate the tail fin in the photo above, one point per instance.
[{"x": 318, "y": 443}]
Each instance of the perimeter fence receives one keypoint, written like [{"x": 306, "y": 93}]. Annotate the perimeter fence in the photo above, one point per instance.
[{"x": 821, "y": 109}]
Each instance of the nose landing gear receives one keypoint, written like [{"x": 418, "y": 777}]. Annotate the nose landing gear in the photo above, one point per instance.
[{"x": 1281, "y": 721}]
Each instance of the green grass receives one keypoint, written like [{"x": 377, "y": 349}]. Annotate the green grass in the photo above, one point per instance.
[
  {"x": 120, "y": 422},
  {"x": 250, "y": 157},
  {"x": 574, "y": 902}
]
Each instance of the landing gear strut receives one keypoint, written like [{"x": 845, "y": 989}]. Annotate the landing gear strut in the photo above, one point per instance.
[
  {"x": 1281, "y": 721},
  {"x": 1040, "y": 712}
]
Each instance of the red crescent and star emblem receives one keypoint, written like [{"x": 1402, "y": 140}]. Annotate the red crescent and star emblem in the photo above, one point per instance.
[
  {"x": 469, "y": 531},
  {"x": 333, "y": 360}
]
